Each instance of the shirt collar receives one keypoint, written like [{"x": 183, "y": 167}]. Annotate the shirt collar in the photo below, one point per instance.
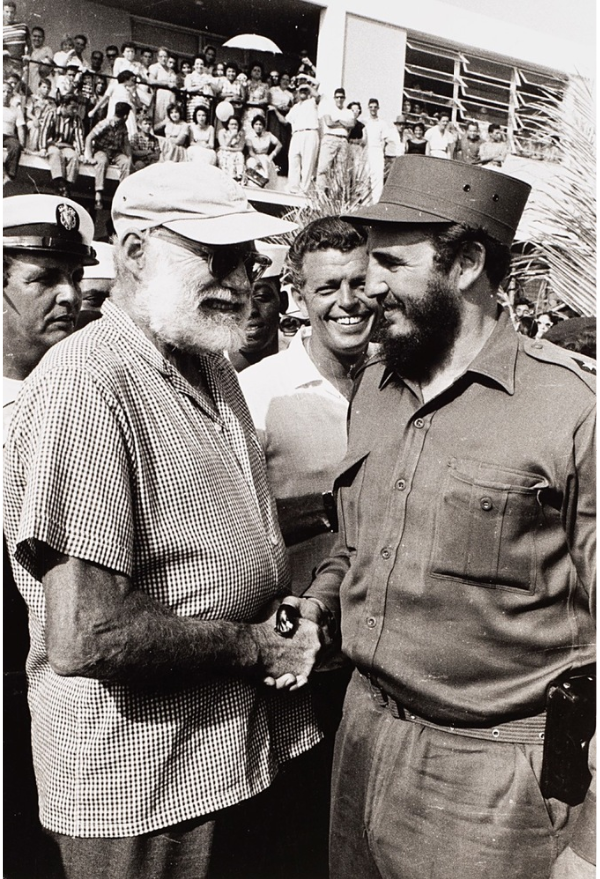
[
  {"x": 496, "y": 360},
  {"x": 143, "y": 347},
  {"x": 303, "y": 369}
]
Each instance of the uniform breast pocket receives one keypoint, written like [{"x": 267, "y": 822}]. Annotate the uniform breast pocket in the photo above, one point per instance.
[
  {"x": 485, "y": 526},
  {"x": 347, "y": 486}
]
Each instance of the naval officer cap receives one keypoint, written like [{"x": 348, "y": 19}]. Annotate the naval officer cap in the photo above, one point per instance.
[
  {"x": 425, "y": 190},
  {"x": 47, "y": 224}
]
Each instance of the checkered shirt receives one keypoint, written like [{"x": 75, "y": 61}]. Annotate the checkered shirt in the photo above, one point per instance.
[{"x": 114, "y": 458}]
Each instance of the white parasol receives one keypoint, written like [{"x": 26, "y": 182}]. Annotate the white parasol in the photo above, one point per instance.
[{"x": 254, "y": 42}]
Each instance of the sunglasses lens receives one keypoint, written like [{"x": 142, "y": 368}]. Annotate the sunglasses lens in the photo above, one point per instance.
[{"x": 225, "y": 260}]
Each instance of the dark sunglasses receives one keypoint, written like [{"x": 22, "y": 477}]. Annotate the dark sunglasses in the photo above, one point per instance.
[{"x": 222, "y": 260}]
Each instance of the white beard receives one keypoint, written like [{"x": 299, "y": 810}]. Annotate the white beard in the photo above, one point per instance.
[{"x": 170, "y": 303}]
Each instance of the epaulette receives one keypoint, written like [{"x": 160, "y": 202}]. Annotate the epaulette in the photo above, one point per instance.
[{"x": 548, "y": 352}]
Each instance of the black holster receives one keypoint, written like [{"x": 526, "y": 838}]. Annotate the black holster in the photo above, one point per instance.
[{"x": 570, "y": 725}]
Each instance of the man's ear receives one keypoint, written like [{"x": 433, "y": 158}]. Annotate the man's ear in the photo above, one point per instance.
[
  {"x": 469, "y": 265},
  {"x": 134, "y": 247},
  {"x": 299, "y": 300}
]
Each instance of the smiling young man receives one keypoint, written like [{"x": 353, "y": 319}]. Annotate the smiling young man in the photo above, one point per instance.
[
  {"x": 299, "y": 398},
  {"x": 269, "y": 302}
]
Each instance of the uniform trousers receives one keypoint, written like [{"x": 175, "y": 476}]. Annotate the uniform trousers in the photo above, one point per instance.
[
  {"x": 414, "y": 802},
  {"x": 303, "y": 154},
  {"x": 375, "y": 159},
  {"x": 64, "y": 162},
  {"x": 122, "y": 162}
]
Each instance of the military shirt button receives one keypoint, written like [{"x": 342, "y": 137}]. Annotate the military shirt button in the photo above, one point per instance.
[
  {"x": 385, "y": 553},
  {"x": 401, "y": 484},
  {"x": 371, "y": 622},
  {"x": 538, "y": 345},
  {"x": 486, "y": 503},
  {"x": 419, "y": 423}
]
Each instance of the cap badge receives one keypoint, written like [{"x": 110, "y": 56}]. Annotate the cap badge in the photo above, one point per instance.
[{"x": 67, "y": 217}]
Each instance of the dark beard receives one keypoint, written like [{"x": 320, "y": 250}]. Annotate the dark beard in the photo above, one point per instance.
[{"x": 436, "y": 320}]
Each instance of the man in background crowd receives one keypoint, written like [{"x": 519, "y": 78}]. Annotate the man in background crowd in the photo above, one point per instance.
[{"x": 269, "y": 302}]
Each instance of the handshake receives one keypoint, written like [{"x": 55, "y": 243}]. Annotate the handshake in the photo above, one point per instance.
[{"x": 291, "y": 641}]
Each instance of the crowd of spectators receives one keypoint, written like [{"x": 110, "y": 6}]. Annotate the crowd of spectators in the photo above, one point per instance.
[{"x": 255, "y": 124}]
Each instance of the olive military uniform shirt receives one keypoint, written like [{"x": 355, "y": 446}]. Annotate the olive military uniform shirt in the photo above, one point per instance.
[{"x": 465, "y": 561}]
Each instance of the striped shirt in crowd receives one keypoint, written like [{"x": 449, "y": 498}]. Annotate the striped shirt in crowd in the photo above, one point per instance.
[
  {"x": 15, "y": 38},
  {"x": 113, "y": 457},
  {"x": 55, "y": 128}
]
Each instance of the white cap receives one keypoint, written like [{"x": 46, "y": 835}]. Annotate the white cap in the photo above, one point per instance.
[
  {"x": 277, "y": 254},
  {"x": 47, "y": 224},
  {"x": 105, "y": 267},
  {"x": 202, "y": 204}
]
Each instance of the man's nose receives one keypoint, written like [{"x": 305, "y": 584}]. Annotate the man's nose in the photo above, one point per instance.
[
  {"x": 68, "y": 292},
  {"x": 238, "y": 279},
  {"x": 375, "y": 284},
  {"x": 346, "y": 296}
]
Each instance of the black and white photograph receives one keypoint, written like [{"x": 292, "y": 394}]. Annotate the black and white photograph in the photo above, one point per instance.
[{"x": 299, "y": 471}]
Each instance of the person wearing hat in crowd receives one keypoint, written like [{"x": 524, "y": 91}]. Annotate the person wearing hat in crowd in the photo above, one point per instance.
[
  {"x": 47, "y": 242},
  {"x": 108, "y": 144},
  {"x": 464, "y": 566},
  {"x": 144, "y": 539},
  {"x": 304, "y": 144},
  {"x": 336, "y": 124},
  {"x": 96, "y": 284},
  {"x": 269, "y": 302}
]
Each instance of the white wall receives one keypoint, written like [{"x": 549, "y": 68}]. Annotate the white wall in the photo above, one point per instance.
[
  {"x": 491, "y": 29},
  {"x": 102, "y": 25},
  {"x": 365, "y": 41}
]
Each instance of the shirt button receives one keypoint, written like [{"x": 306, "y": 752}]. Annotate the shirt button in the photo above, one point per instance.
[
  {"x": 401, "y": 484},
  {"x": 486, "y": 503},
  {"x": 419, "y": 423},
  {"x": 371, "y": 622},
  {"x": 218, "y": 427},
  {"x": 385, "y": 553}
]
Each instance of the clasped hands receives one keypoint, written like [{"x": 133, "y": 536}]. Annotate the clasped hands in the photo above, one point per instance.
[{"x": 288, "y": 661}]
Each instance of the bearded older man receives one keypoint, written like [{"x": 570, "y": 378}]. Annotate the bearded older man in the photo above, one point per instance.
[{"x": 145, "y": 541}]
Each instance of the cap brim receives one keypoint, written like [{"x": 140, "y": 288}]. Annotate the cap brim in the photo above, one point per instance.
[
  {"x": 393, "y": 213},
  {"x": 231, "y": 228}
]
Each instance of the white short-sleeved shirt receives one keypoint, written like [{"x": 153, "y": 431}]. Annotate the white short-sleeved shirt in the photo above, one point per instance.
[
  {"x": 114, "y": 458},
  {"x": 439, "y": 142},
  {"x": 300, "y": 418},
  {"x": 304, "y": 115}
]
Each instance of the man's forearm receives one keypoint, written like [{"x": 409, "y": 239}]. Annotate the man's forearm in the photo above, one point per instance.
[{"x": 99, "y": 626}]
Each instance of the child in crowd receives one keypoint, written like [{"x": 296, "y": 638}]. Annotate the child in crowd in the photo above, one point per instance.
[
  {"x": 145, "y": 149},
  {"x": 37, "y": 107}
]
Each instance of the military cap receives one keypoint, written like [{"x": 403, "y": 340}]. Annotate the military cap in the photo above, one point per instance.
[
  {"x": 47, "y": 224},
  {"x": 423, "y": 190}
]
